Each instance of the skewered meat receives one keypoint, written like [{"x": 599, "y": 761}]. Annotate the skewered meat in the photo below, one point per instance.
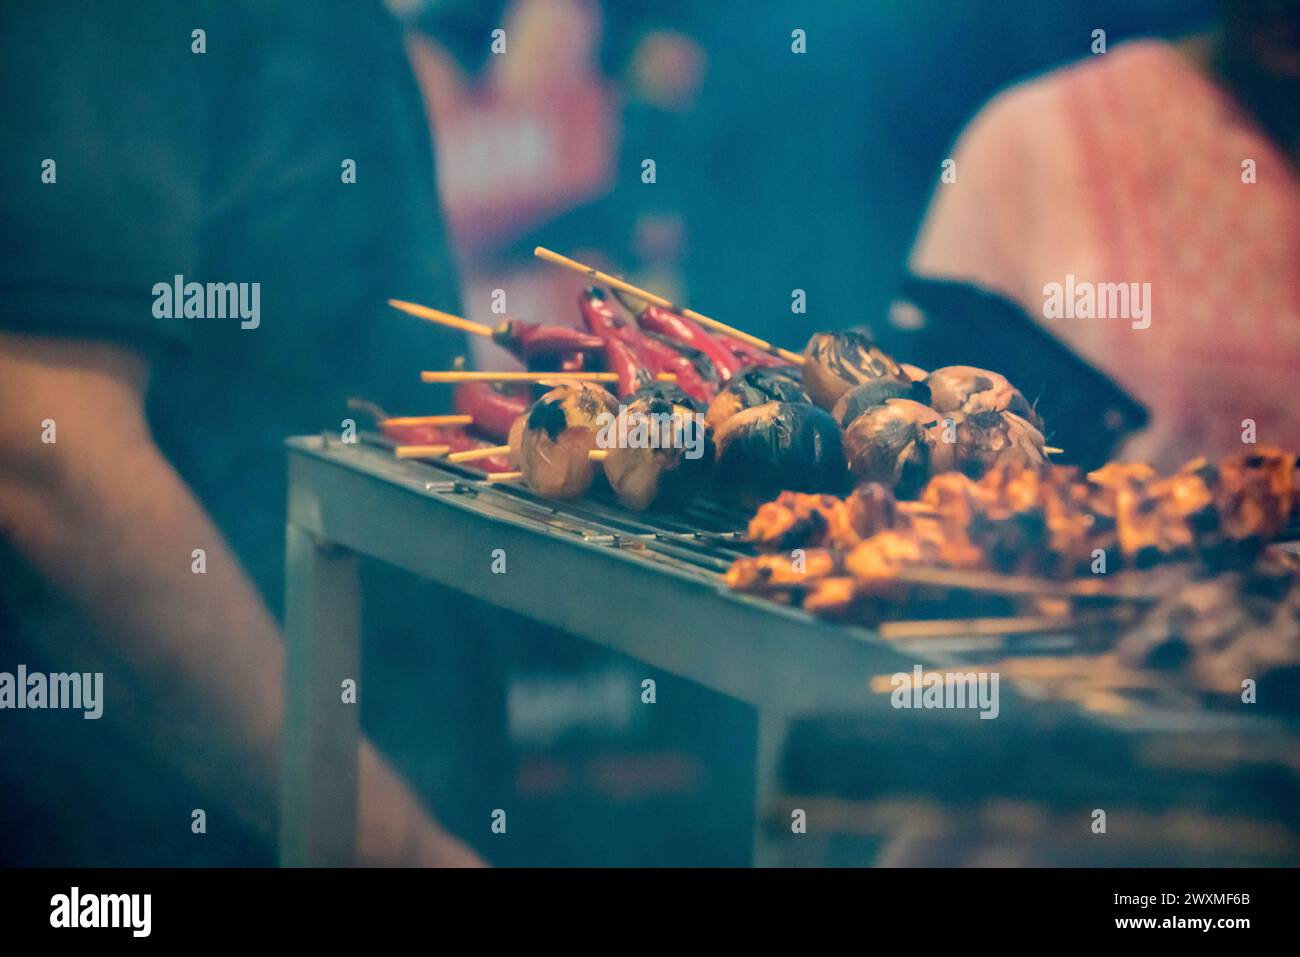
[
  {"x": 1220, "y": 631},
  {"x": 969, "y": 389},
  {"x": 754, "y": 387},
  {"x": 558, "y": 436},
  {"x": 1044, "y": 521},
  {"x": 670, "y": 457},
  {"x": 878, "y": 559},
  {"x": 778, "y": 446},
  {"x": 800, "y": 520},
  {"x": 898, "y": 444},
  {"x": 837, "y": 361},
  {"x": 777, "y": 570}
]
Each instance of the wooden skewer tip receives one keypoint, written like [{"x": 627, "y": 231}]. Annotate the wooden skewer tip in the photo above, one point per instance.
[
  {"x": 474, "y": 455},
  {"x": 421, "y": 451}
]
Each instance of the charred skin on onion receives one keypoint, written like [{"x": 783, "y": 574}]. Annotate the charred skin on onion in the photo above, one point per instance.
[
  {"x": 899, "y": 444},
  {"x": 970, "y": 389},
  {"x": 779, "y": 446},
  {"x": 665, "y": 476},
  {"x": 987, "y": 440},
  {"x": 835, "y": 362},
  {"x": 557, "y": 436},
  {"x": 868, "y": 395},
  {"x": 755, "y": 386},
  {"x": 666, "y": 390}
]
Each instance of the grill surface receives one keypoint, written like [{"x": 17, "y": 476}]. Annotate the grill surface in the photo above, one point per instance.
[{"x": 649, "y": 585}]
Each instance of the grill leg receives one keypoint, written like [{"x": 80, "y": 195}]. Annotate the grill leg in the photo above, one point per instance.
[
  {"x": 772, "y": 728},
  {"x": 318, "y": 796}
]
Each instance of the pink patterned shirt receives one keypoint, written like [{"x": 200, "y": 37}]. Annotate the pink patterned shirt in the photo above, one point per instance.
[{"x": 1133, "y": 167}]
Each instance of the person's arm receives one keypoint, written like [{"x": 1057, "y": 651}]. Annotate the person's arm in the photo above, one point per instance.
[{"x": 105, "y": 518}]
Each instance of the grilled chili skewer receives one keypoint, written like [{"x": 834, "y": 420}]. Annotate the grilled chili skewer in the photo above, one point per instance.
[
  {"x": 529, "y": 339},
  {"x": 493, "y": 407},
  {"x": 688, "y": 333}
]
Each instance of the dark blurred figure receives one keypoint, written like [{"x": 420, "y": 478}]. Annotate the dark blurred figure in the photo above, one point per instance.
[{"x": 221, "y": 157}]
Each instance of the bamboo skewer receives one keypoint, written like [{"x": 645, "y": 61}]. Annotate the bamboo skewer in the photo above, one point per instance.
[
  {"x": 428, "y": 420},
  {"x": 541, "y": 252},
  {"x": 474, "y": 455},
  {"x": 440, "y": 317},
  {"x": 421, "y": 451},
  {"x": 598, "y": 455},
  {"x": 1000, "y": 584},
  {"x": 542, "y": 377},
  {"x": 973, "y": 627},
  {"x": 504, "y": 476}
]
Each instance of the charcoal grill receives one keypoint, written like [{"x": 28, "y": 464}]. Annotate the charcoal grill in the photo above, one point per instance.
[{"x": 650, "y": 586}]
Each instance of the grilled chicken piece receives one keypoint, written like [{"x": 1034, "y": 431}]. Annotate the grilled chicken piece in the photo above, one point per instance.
[
  {"x": 878, "y": 558},
  {"x": 801, "y": 520},
  {"x": 832, "y": 597},
  {"x": 781, "y": 570}
]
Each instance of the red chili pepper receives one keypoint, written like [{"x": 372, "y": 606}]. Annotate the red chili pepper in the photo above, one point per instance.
[
  {"x": 493, "y": 407},
  {"x": 528, "y": 339},
  {"x": 664, "y": 358},
  {"x": 689, "y": 333},
  {"x": 628, "y": 364},
  {"x": 752, "y": 356},
  {"x": 404, "y": 434},
  {"x": 623, "y": 353}
]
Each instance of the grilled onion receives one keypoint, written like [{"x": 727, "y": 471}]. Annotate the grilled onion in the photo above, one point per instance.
[
  {"x": 871, "y": 394},
  {"x": 837, "y": 361},
  {"x": 989, "y": 439},
  {"x": 969, "y": 389},
  {"x": 752, "y": 387},
  {"x": 776, "y": 447},
  {"x": 665, "y": 475},
  {"x": 899, "y": 444},
  {"x": 558, "y": 435}
]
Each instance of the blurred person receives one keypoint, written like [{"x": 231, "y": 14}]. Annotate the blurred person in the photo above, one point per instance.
[
  {"x": 811, "y": 170},
  {"x": 1172, "y": 164},
  {"x": 198, "y": 142}
]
